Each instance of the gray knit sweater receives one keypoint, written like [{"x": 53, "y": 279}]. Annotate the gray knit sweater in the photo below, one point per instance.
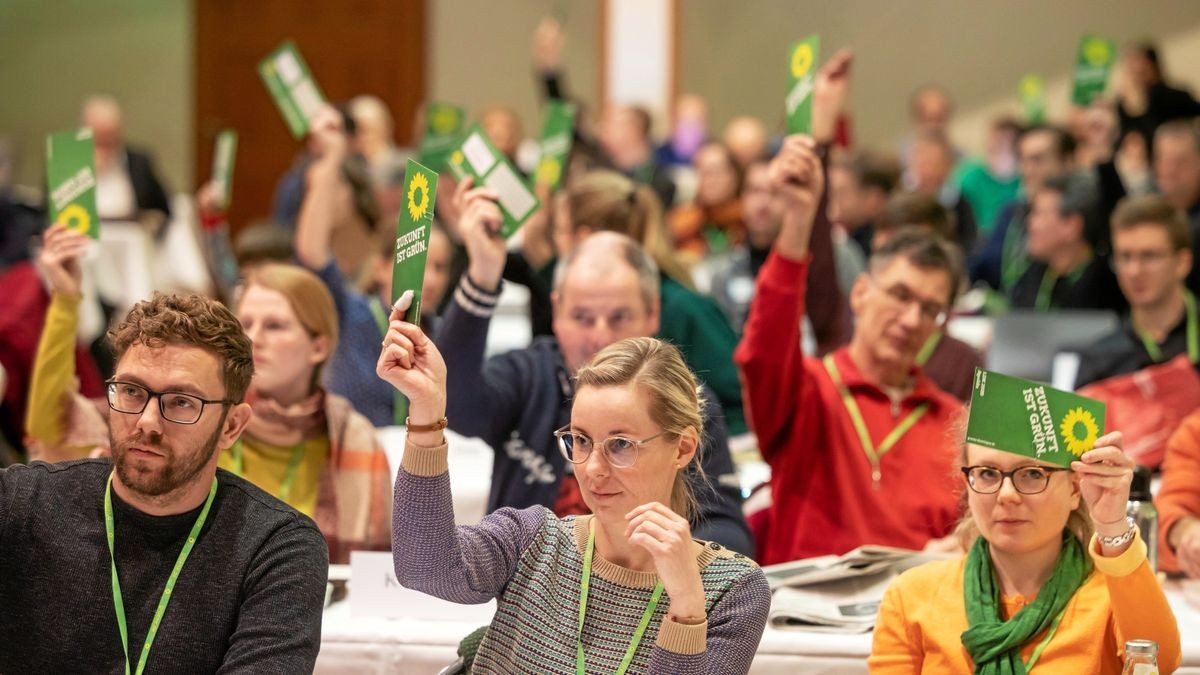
[{"x": 532, "y": 562}]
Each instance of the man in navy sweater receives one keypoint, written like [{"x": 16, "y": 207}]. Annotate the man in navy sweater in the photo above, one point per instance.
[{"x": 605, "y": 291}]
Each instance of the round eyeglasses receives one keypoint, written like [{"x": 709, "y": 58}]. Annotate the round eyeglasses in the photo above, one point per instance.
[
  {"x": 132, "y": 399},
  {"x": 620, "y": 451},
  {"x": 1028, "y": 480}
]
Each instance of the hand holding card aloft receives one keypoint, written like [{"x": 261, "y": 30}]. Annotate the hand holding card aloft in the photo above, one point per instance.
[
  {"x": 58, "y": 261},
  {"x": 411, "y": 363},
  {"x": 479, "y": 226},
  {"x": 328, "y": 133},
  {"x": 1105, "y": 474},
  {"x": 796, "y": 171}
]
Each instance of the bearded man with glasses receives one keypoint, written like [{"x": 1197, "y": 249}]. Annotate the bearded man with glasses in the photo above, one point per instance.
[
  {"x": 857, "y": 442},
  {"x": 156, "y": 559}
]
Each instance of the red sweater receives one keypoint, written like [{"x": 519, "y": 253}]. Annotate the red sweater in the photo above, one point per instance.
[{"x": 824, "y": 501}]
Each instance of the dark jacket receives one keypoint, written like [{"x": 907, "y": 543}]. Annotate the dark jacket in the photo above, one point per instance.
[
  {"x": 1095, "y": 287},
  {"x": 1121, "y": 352},
  {"x": 148, "y": 191},
  {"x": 515, "y": 401}
]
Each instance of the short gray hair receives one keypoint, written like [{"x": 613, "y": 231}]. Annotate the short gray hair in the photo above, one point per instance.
[
  {"x": 925, "y": 249},
  {"x": 626, "y": 250}
]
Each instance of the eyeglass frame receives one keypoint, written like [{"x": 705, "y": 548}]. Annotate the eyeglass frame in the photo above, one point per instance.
[
  {"x": 1142, "y": 258},
  {"x": 939, "y": 319},
  {"x": 566, "y": 430},
  {"x": 111, "y": 383},
  {"x": 1011, "y": 477}
]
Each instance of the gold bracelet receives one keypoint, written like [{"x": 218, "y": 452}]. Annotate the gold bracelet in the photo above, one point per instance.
[{"x": 422, "y": 428}]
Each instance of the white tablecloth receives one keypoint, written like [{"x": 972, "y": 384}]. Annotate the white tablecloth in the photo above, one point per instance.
[{"x": 416, "y": 646}]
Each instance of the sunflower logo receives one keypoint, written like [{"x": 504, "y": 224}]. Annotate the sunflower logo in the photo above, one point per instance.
[
  {"x": 802, "y": 60},
  {"x": 457, "y": 158},
  {"x": 1031, "y": 86},
  {"x": 1096, "y": 51},
  {"x": 445, "y": 120},
  {"x": 418, "y": 196},
  {"x": 76, "y": 218},
  {"x": 548, "y": 171},
  {"x": 1079, "y": 420}
]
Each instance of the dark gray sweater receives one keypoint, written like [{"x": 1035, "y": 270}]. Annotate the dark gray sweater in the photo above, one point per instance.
[{"x": 249, "y": 598}]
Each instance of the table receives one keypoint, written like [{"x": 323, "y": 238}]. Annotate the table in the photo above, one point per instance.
[{"x": 417, "y": 646}]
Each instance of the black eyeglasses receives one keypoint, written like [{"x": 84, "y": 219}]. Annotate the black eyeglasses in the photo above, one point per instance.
[
  {"x": 620, "y": 451},
  {"x": 132, "y": 399},
  {"x": 1028, "y": 480}
]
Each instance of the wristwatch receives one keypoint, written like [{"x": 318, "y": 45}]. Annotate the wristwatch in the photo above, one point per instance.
[{"x": 1119, "y": 540}]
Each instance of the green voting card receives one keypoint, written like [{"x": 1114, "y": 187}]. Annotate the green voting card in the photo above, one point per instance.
[
  {"x": 412, "y": 236},
  {"x": 478, "y": 158},
  {"x": 557, "y": 135},
  {"x": 292, "y": 86},
  {"x": 1032, "y": 92},
  {"x": 1095, "y": 60},
  {"x": 222, "y": 173},
  {"x": 443, "y": 125},
  {"x": 71, "y": 180},
  {"x": 1031, "y": 419},
  {"x": 802, "y": 69}
]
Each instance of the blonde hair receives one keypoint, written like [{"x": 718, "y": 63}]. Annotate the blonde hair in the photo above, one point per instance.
[
  {"x": 657, "y": 368},
  {"x": 607, "y": 200},
  {"x": 308, "y": 297}
]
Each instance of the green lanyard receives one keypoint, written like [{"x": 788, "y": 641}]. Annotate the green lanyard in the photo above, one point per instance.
[
  {"x": 118, "y": 600},
  {"x": 1193, "y": 339},
  {"x": 1013, "y": 262},
  {"x": 1045, "y": 294},
  {"x": 584, "y": 584},
  {"x": 399, "y": 403},
  {"x": 860, "y": 426},
  {"x": 285, "y": 488},
  {"x": 1037, "y": 651},
  {"x": 928, "y": 348}
]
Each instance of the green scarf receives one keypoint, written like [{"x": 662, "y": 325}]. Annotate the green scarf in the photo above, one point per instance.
[{"x": 995, "y": 644}]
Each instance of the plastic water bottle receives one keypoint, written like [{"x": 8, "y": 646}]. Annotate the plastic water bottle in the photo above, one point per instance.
[
  {"x": 1141, "y": 658},
  {"x": 1141, "y": 509}
]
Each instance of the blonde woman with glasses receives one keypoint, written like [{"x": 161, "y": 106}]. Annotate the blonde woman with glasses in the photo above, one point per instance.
[
  {"x": 625, "y": 589},
  {"x": 1055, "y": 576}
]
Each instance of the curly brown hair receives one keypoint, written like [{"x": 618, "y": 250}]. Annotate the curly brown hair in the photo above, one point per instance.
[{"x": 193, "y": 321}]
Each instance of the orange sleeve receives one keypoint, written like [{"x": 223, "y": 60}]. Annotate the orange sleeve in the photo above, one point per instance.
[
  {"x": 895, "y": 649},
  {"x": 1139, "y": 606},
  {"x": 1179, "y": 494}
]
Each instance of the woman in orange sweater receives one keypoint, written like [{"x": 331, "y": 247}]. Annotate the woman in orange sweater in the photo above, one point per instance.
[{"x": 1028, "y": 593}]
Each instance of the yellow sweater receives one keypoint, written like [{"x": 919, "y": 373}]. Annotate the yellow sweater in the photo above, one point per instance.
[
  {"x": 265, "y": 465},
  {"x": 923, "y": 617}
]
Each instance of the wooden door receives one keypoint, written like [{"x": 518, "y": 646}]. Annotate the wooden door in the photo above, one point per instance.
[{"x": 352, "y": 47}]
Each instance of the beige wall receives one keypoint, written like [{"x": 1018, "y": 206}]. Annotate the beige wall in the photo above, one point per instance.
[
  {"x": 54, "y": 53},
  {"x": 734, "y": 53},
  {"x": 481, "y": 52}
]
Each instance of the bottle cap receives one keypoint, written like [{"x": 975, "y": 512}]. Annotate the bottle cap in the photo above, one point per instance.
[
  {"x": 1144, "y": 647},
  {"x": 1139, "y": 488}
]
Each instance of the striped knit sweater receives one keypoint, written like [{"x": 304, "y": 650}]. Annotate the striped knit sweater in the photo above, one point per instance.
[{"x": 532, "y": 562}]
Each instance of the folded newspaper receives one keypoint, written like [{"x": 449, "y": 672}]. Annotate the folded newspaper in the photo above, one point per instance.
[{"x": 837, "y": 594}]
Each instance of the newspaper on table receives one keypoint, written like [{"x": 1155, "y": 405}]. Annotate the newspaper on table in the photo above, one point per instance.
[{"x": 836, "y": 594}]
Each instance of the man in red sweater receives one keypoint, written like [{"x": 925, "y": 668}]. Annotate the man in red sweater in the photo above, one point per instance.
[{"x": 860, "y": 444}]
